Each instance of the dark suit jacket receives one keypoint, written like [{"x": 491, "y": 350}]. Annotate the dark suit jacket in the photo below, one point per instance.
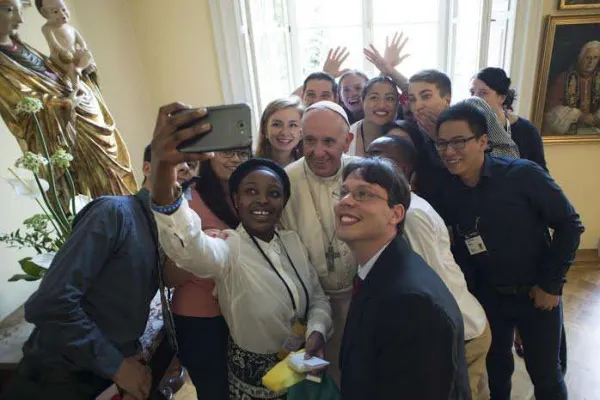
[{"x": 404, "y": 335}]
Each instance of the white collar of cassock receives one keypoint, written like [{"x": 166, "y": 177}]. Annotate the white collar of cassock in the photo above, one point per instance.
[{"x": 335, "y": 178}]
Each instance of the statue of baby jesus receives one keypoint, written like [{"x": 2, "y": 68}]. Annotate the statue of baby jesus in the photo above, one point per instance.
[{"x": 68, "y": 50}]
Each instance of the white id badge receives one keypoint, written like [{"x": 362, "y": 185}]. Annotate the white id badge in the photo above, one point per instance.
[{"x": 475, "y": 244}]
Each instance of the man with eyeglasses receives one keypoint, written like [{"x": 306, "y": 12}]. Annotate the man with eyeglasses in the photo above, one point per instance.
[
  {"x": 430, "y": 93},
  {"x": 427, "y": 235},
  {"x": 499, "y": 211},
  {"x": 404, "y": 335}
]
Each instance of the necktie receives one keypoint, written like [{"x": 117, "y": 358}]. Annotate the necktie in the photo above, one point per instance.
[{"x": 356, "y": 284}]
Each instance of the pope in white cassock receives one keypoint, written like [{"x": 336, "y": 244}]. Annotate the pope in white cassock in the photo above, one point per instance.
[{"x": 309, "y": 212}]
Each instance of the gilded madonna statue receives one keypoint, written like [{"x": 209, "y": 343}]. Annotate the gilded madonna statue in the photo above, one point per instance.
[{"x": 77, "y": 122}]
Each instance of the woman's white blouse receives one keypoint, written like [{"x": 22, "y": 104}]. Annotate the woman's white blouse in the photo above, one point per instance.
[{"x": 254, "y": 301}]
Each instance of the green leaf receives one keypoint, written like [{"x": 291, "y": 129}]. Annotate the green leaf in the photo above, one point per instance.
[
  {"x": 32, "y": 269},
  {"x": 24, "y": 277}
]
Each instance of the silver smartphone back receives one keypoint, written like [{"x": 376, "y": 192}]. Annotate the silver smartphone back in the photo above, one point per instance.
[{"x": 231, "y": 129}]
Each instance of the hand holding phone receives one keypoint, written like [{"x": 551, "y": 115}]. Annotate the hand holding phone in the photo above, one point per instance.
[
  {"x": 230, "y": 129},
  {"x": 169, "y": 132}
]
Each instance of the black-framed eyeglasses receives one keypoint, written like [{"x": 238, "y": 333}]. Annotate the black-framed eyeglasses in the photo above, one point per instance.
[
  {"x": 358, "y": 194},
  {"x": 242, "y": 154},
  {"x": 456, "y": 144}
]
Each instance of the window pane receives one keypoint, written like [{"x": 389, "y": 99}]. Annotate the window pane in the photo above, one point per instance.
[
  {"x": 322, "y": 25},
  {"x": 328, "y": 13},
  {"x": 269, "y": 39},
  {"x": 499, "y": 33},
  {"x": 500, "y": 5},
  {"x": 405, "y": 11},
  {"x": 497, "y": 44},
  {"x": 315, "y": 43},
  {"x": 272, "y": 68},
  {"x": 422, "y": 45},
  {"x": 420, "y": 21},
  {"x": 466, "y": 48},
  {"x": 266, "y": 13}
]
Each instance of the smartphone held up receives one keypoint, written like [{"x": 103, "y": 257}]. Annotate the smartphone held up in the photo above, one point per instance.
[{"x": 231, "y": 129}]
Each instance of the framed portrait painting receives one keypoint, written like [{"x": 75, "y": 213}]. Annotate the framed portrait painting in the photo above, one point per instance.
[
  {"x": 578, "y": 4},
  {"x": 566, "y": 104}
]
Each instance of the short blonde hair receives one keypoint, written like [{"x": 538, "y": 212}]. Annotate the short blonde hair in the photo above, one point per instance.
[{"x": 264, "y": 147}]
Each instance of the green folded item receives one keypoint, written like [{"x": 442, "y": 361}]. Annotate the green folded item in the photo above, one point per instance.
[{"x": 307, "y": 390}]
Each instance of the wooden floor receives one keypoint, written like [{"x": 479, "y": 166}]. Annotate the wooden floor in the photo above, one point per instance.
[
  {"x": 581, "y": 299},
  {"x": 582, "y": 321}
]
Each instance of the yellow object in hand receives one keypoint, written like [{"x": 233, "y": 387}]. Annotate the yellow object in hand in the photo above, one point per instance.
[{"x": 281, "y": 377}]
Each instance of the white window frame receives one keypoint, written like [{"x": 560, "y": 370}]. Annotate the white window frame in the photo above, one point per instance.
[
  {"x": 509, "y": 33},
  {"x": 233, "y": 40}
]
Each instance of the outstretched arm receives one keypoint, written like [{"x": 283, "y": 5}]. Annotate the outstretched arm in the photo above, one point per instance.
[
  {"x": 332, "y": 65},
  {"x": 184, "y": 242},
  {"x": 392, "y": 57},
  {"x": 180, "y": 229}
]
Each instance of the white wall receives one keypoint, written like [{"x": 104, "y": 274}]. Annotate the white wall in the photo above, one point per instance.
[
  {"x": 108, "y": 28},
  {"x": 178, "y": 46},
  {"x": 575, "y": 166}
]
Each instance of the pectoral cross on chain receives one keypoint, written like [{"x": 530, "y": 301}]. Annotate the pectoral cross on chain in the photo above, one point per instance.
[{"x": 330, "y": 256}]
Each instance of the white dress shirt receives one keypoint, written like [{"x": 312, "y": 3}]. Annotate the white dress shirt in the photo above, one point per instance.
[
  {"x": 363, "y": 270},
  {"x": 428, "y": 236},
  {"x": 254, "y": 300}
]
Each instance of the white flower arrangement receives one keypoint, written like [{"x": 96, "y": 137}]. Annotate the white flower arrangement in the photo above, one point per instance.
[{"x": 46, "y": 232}]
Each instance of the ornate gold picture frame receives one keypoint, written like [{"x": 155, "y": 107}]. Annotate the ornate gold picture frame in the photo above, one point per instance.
[
  {"x": 578, "y": 4},
  {"x": 566, "y": 105}
]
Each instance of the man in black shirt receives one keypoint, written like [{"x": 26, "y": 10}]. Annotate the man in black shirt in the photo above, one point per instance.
[
  {"x": 499, "y": 211},
  {"x": 429, "y": 94}
]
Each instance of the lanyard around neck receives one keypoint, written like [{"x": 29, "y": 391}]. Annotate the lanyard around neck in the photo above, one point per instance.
[{"x": 281, "y": 277}]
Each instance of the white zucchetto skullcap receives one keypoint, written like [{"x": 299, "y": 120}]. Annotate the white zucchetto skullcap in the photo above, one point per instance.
[{"x": 330, "y": 105}]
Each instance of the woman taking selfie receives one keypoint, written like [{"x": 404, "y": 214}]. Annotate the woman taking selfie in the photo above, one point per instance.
[
  {"x": 279, "y": 131},
  {"x": 268, "y": 291},
  {"x": 201, "y": 331}
]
